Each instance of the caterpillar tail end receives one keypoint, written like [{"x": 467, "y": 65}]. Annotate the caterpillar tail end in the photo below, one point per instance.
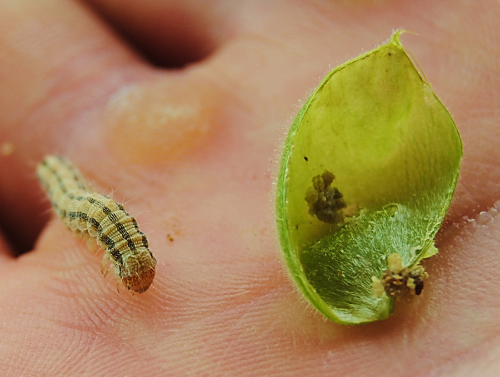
[{"x": 139, "y": 283}]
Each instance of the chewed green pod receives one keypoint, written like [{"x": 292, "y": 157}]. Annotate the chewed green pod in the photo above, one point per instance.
[{"x": 367, "y": 174}]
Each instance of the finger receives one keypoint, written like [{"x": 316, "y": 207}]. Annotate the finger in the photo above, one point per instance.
[
  {"x": 52, "y": 54},
  {"x": 169, "y": 34}
]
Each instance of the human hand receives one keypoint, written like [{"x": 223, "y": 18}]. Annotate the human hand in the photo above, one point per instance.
[{"x": 192, "y": 153}]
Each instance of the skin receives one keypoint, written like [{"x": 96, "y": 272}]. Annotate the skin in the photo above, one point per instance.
[{"x": 193, "y": 152}]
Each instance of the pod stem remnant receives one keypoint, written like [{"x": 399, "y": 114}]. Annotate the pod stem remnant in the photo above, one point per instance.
[{"x": 397, "y": 281}]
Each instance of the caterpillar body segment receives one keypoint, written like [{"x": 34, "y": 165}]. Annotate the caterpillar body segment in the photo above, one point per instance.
[{"x": 83, "y": 211}]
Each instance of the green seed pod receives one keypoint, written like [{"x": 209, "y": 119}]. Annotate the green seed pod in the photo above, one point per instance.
[{"x": 367, "y": 174}]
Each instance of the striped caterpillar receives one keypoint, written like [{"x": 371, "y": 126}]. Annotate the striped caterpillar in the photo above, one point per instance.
[{"x": 101, "y": 217}]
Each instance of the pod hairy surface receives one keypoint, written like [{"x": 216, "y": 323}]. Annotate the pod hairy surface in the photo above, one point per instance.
[{"x": 367, "y": 174}]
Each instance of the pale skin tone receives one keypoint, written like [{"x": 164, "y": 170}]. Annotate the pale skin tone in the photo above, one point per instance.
[{"x": 192, "y": 152}]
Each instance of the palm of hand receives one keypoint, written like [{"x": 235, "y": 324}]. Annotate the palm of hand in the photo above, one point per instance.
[{"x": 194, "y": 150}]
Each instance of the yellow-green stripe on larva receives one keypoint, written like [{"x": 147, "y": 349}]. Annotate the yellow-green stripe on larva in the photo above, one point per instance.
[{"x": 115, "y": 230}]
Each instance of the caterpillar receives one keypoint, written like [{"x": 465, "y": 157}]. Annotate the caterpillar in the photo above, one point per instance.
[{"x": 101, "y": 217}]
